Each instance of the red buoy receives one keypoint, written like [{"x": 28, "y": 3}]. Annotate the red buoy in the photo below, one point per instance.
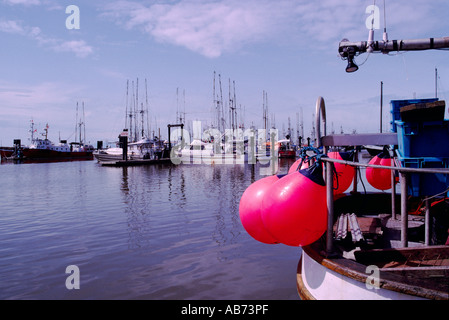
[
  {"x": 344, "y": 173},
  {"x": 380, "y": 179},
  {"x": 294, "y": 210},
  {"x": 250, "y": 209},
  {"x": 295, "y": 166}
]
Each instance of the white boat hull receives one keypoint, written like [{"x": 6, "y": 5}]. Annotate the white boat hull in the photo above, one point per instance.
[{"x": 318, "y": 282}]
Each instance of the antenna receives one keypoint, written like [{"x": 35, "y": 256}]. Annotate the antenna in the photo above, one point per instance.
[
  {"x": 369, "y": 44},
  {"x": 385, "y": 36}
]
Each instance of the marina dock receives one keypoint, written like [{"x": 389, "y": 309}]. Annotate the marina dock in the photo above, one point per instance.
[{"x": 133, "y": 163}]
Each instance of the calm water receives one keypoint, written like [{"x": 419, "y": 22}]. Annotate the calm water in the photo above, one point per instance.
[{"x": 154, "y": 232}]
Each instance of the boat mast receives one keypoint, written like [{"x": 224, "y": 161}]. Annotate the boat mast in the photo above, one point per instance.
[
  {"x": 215, "y": 103},
  {"x": 84, "y": 128},
  {"x": 46, "y": 131},
  {"x": 126, "y": 104},
  {"x": 222, "y": 116},
  {"x": 265, "y": 110},
  {"x": 183, "y": 117},
  {"x": 147, "y": 109},
  {"x": 131, "y": 138},
  {"x": 80, "y": 124},
  {"x": 32, "y": 130},
  {"x": 136, "y": 107},
  {"x": 76, "y": 122}
]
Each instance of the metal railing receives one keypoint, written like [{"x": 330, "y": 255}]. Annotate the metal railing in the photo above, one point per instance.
[{"x": 402, "y": 171}]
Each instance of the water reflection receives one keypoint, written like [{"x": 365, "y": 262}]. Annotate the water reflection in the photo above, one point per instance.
[
  {"x": 181, "y": 203},
  {"x": 156, "y": 232}
]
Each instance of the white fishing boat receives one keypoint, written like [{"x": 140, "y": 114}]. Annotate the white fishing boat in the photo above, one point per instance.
[
  {"x": 143, "y": 149},
  {"x": 197, "y": 149},
  {"x": 212, "y": 153},
  {"x": 134, "y": 142}
]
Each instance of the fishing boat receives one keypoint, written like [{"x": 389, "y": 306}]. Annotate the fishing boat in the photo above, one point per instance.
[
  {"x": 143, "y": 149},
  {"x": 6, "y": 152},
  {"x": 286, "y": 149},
  {"x": 135, "y": 144},
  {"x": 199, "y": 151},
  {"x": 43, "y": 149}
]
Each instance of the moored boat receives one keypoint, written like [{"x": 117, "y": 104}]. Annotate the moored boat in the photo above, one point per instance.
[
  {"x": 45, "y": 150},
  {"x": 6, "y": 152},
  {"x": 286, "y": 149}
]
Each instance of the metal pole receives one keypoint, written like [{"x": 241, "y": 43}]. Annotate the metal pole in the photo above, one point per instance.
[
  {"x": 355, "y": 181},
  {"x": 393, "y": 194},
  {"x": 320, "y": 110},
  {"x": 330, "y": 207},
  {"x": 427, "y": 224},
  {"x": 404, "y": 216},
  {"x": 395, "y": 45},
  {"x": 436, "y": 83},
  {"x": 381, "y": 103}
]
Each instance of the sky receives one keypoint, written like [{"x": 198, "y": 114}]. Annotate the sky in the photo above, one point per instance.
[{"x": 49, "y": 63}]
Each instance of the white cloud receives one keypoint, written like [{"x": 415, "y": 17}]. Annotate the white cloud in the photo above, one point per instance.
[
  {"x": 13, "y": 27},
  {"x": 212, "y": 28},
  {"x": 30, "y": 96},
  {"x": 79, "y": 47},
  {"x": 209, "y": 27},
  {"x": 23, "y": 2}
]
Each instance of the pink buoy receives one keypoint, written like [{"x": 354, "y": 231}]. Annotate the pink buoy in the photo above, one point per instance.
[
  {"x": 344, "y": 173},
  {"x": 380, "y": 179},
  {"x": 250, "y": 209},
  {"x": 294, "y": 210}
]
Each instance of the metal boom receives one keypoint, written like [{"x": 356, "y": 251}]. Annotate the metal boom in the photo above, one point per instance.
[{"x": 348, "y": 50}]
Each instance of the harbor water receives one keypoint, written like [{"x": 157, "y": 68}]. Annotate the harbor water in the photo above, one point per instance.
[{"x": 162, "y": 232}]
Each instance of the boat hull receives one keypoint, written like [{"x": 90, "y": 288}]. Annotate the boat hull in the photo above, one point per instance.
[
  {"x": 6, "y": 152},
  {"x": 329, "y": 279},
  {"x": 287, "y": 154},
  {"x": 46, "y": 155},
  {"x": 379, "y": 268},
  {"x": 106, "y": 156},
  {"x": 38, "y": 154}
]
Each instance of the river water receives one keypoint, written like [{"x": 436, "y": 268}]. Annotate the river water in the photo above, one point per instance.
[{"x": 162, "y": 232}]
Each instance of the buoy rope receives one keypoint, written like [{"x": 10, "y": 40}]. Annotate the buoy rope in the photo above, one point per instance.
[
  {"x": 317, "y": 156},
  {"x": 305, "y": 157}
]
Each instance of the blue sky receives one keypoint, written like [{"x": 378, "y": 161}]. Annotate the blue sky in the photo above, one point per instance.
[{"x": 288, "y": 49}]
